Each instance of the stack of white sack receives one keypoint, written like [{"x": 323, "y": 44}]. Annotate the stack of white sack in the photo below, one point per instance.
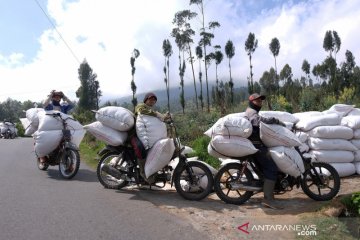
[
  {"x": 352, "y": 120},
  {"x": 281, "y": 142},
  {"x": 152, "y": 133},
  {"x": 229, "y": 137},
  {"x": 31, "y": 124},
  {"x": 112, "y": 125},
  {"x": 49, "y": 132},
  {"x": 4, "y": 126},
  {"x": 328, "y": 138}
]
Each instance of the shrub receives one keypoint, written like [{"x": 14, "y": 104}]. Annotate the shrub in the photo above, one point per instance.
[{"x": 200, "y": 147}]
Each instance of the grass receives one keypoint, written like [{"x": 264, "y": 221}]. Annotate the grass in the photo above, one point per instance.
[{"x": 89, "y": 149}]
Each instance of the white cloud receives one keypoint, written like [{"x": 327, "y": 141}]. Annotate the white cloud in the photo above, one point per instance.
[{"x": 105, "y": 33}]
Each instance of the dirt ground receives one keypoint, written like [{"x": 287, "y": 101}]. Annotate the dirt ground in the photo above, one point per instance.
[{"x": 248, "y": 221}]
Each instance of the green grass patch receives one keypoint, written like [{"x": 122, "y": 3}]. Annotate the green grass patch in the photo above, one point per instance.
[{"x": 89, "y": 148}]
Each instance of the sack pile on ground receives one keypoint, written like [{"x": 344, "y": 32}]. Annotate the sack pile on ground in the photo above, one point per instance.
[
  {"x": 332, "y": 136},
  {"x": 47, "y": 130}
]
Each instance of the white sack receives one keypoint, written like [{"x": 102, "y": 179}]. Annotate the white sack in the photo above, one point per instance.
[
  {"x": 330, "y": 144},
  {"x": 118, "y": 118},
  {"x": 351, "y": 121},
  {"x": 357, "y": 133},
  {"x": 335, "y": 132},
  {"x": 343, "y": 109},
  {"x": 304, "y": 148},
  {"x": 308, "y": 123},
  {"x": 108, "y": 135},
  {"x": 282, "y": 116},
  {"x": 344, "y": 169},
  {"x": 274, "y": 135},
  {"x": 356, "y": 143},
  {"x": 159, "y": 156},
  {"x": 25, "y": 122},
  {"x": 32, "y": 116},
  {"x": 231, "y": 125},
  {"x": 303, "y": 136},
  {"x": 46, "y": 141},
  {"x": 357, "y": 156},
  {"x": 354, "y": 112},
  {"x": 150, "y": 129},
  {"x": 77, "y": 136},
  {"x": 305, "y": 115},
  {"x": 332, "y": 156},
  {"x": 233, "y": 146},
  {"x": 214, "y": 153},
  {"x": 357, "y": 167},
  {"x": 288, "y": 160},
  {"x": 48, "y": 122}
]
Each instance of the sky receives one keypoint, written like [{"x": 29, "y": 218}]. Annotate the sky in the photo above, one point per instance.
[{"x": 43, "y": 42}]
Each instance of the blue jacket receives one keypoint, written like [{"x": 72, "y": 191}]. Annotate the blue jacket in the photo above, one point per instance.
[{"x": 64, "y": 107}]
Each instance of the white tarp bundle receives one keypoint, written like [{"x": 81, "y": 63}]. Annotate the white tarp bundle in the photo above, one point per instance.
[
  {"x": 118, "y": 118},
  {"x": 150, "y": 129},
  {"x": 308, "y": 123},
  {"x": 274, "y": 135},
  {"x": 33, "y": 118},
  {"x": 159, "y": 156},
  {"x": 331, "y": 144},
  {"x": 282, "y": 116},
  {"x": 288, "y": 160},
  {"x": 333, "y": 156},
  {"x": 107, "y": 134},
  {"x": 334, "y": 132}
]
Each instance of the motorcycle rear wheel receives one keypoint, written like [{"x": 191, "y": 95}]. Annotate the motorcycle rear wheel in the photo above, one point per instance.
[
  {"x": 225, "y": 180},
  {"x": 322, "y": 188},
  {"x": 42, "y": 166},
  {"x": 196, "y": 184},
  {"x": 106, "y": 179},
  {"x": 69, "y": 164}
]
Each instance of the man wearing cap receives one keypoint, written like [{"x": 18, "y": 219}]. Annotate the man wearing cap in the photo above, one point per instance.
[
  {"x": 262, "y": 156},
  {"x": 146, "y": 108},
  {"x": 53, "y": 102}
]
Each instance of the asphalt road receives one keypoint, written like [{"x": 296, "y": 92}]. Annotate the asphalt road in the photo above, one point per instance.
[{"x": 36, "y": 205}]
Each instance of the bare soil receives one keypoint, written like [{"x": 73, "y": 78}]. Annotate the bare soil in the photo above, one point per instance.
[{"x": 222, "y": 221}]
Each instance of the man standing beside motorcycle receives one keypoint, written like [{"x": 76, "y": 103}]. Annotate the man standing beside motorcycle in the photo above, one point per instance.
[
  {"x": 53, "y": 103},
  {"x": 268, "y": 166},
  {"x": 146, "y": 108}
]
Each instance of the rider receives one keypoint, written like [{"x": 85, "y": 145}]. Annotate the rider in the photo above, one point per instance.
[
  {"x": 146, "y": 108},
  {"x": 266, "y": 163},
  {"x": 53, "y": 103}
]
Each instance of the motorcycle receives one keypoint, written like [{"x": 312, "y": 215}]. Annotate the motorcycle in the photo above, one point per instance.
[
  {"x": 118, "y": 167},
  {"x": 8, "y": 134},
  {"x": 235, "y": 181},
  {"x": 66, "y": 155}
]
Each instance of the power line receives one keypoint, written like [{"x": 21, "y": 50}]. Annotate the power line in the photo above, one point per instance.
[{"x": 67, "y": 45}]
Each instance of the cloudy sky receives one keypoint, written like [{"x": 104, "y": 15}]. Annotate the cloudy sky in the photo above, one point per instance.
[{"x": 43, "y": 42}]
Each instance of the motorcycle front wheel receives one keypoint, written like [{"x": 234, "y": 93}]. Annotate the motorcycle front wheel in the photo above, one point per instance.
[
  {"x": 322, "y": 182},
  {"x": 228, "y": 181},
  {"x": 69, "y": 164},
  {"x": 108, "y": 171},
  {"x": 193, "y": 181}
]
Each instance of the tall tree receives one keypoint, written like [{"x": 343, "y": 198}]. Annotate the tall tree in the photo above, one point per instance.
[
  {"x": 135, "y": 54},
  {"x": 250, "y": 47},
  {"x": 183, "y": 28},
  {"x": 268, "y": 85},
  {"x": 167, "y": 52},
  {"x": 230, "y": 53},
  {"x": 218, "y": 57},
  {"x": 89, "y": 92},
  {"x": 205, "y": 41},
  {"x": 306, "y": 69},
  {"x": 275, "y": 49},
  {"x": 332, "y": 43},
  {"x": 199, "y": 54}
]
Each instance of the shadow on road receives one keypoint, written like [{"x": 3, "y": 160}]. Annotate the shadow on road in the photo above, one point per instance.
[{"x": 83, "y": 175}]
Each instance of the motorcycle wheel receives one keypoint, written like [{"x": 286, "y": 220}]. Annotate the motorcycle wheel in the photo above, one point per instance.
[
  {"x": 201, "y": 178},
  {"x": 229, "y": 176},
  {"x": 106, "y": 179},
  {"x": 69, "y": 164},
  {"x": 322, "y": 188},
  {"x": 42, "y": 166}
]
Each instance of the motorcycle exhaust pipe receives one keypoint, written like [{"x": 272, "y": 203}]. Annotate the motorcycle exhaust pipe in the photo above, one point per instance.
[{"x": 112, "y": 171}]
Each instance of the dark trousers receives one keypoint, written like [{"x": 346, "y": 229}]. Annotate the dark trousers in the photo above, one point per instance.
[{"x": 266, "y": 163}]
